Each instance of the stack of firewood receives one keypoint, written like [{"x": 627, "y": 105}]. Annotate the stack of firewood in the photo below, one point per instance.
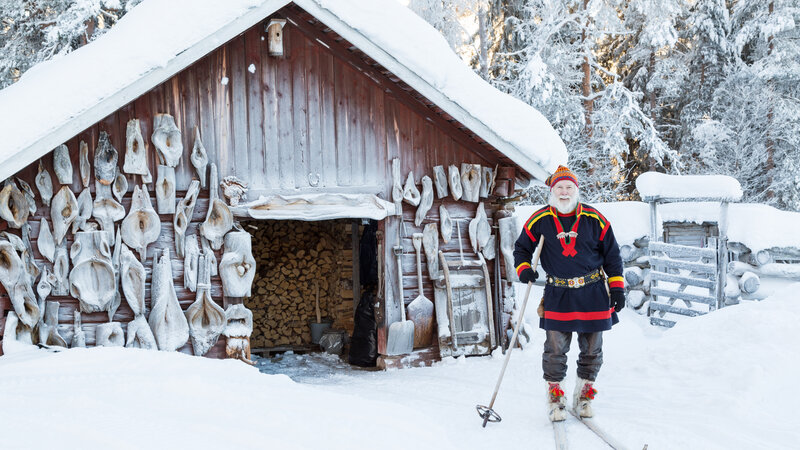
[{"x": 293, "y": 259}]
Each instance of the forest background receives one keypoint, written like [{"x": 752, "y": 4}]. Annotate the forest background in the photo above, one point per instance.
[{"x": 676, "y": 86}]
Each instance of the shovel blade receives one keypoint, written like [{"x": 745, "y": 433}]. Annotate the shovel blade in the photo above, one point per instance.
[
  {"x": 420, "y": 312},
  {"x": 401, "y": 338}
]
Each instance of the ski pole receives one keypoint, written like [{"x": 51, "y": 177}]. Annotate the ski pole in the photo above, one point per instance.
[{"x": 486, "y": 412}]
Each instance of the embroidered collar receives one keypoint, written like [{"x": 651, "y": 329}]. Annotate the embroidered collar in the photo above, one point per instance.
[{"x": 568, "y": 247}]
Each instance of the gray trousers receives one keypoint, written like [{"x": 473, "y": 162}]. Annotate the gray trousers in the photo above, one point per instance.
[{"x": 556, "y": 346}]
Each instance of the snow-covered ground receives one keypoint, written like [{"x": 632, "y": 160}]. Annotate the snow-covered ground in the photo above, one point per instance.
[{"x": 724, "y": 381}]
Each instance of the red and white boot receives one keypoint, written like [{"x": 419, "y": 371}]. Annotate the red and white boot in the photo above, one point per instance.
[
  {"x": 556, "y": 402},
  {"x": 583, "y": 396}
]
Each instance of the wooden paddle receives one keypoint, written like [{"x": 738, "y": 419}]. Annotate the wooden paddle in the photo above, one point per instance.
[
  {"x": 420, "y": 310},
  {"x": 401, "y": 334}
]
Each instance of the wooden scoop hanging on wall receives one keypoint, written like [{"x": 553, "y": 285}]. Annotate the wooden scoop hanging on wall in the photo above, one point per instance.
[
  {"x": 219, "y": 219},
  {"x": 420, "y": 310},
  {"x": 400, "y": 338}
]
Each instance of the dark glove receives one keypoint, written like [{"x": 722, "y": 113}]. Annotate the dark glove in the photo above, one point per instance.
[
  {"x": 528, "y": 276},
  {"x": 618, "y": 299}
]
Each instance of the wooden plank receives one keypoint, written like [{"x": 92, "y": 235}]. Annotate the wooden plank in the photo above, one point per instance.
[
  {"x": 270, "y": 99},
  {"x": 124, "y": 115},
  {"x": 184, "y": 172},
  {"x": 655, "y": 306},
  {"x": 381, "y": 157},
  {"x": 357, "y": 110},
  {"x": 285, "y": 125},
  {"x": 240, "y": 150},
  {"x": 681, "y": 250},
  {"x": 418, "y": 147},
  {"x": 314, "y": 115},
  {"x": 403, "y": 117},
  {"x": 343, "y": 163},
  {"x": 662, "y": 322},
  {"x": 206, "y": 118},
  {"x": 255, "y": 109},
  {"x": 676, "y": 264},
  {"x": 673, "y": 278},
  {"x": 299, "y": 111},
  {"x": 223, "y": 113},
  {"x": 655, "y": 291},
  {"x": 172, "y": 92},
  {"x": 328, "y": 119}
]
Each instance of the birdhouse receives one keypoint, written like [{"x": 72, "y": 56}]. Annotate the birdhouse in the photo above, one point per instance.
[{"x": 275, "y": 36}]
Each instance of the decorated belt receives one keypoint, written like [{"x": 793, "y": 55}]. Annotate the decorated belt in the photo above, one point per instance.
[{"x": 576, "y": 282}]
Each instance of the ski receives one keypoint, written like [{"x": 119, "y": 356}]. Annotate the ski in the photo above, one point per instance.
[
  {"x": 560, "y": 435},
  {"x": 591, "y": 425}
]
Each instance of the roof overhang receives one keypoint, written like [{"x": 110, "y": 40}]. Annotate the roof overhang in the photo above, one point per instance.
[{"x": 28, "y": 152}]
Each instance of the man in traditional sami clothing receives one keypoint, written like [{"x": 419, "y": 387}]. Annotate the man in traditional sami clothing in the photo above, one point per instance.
[{"x": 579, "y": 252}]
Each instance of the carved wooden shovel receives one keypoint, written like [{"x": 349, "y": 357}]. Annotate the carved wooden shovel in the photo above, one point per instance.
[
  {"x": 420, "y": 310},
  {"x": 400, "y": 338}
]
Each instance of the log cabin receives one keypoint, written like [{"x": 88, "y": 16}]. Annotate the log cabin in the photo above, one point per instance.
[{"x": 323, "y": 120}]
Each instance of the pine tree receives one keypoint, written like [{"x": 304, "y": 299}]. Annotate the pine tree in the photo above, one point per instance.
[{"x": 36, "y": 31}]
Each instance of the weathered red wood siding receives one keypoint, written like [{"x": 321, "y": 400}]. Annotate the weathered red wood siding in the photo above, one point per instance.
[{"x": 319, "y": 119}]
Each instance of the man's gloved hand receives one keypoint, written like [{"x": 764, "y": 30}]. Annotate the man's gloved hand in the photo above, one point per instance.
[
  {"x": 528, "y": 276},
  {"x": 617, "y": 299}
]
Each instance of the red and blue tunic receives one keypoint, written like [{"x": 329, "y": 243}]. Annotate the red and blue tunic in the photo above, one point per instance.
[{"x": 568, "y": 255}]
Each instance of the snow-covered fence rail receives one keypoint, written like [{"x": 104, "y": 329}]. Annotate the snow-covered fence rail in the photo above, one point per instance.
[{"x": 682, "y": 250}]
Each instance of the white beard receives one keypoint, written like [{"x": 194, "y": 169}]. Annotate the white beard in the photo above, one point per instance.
[{"x": 564, "y": 207}]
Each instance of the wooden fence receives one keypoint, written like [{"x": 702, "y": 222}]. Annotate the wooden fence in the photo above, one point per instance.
[{"x": 672, "y": 264}]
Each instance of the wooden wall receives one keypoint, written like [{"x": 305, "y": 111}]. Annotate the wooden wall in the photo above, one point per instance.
[{"x": 311, "y": 121}]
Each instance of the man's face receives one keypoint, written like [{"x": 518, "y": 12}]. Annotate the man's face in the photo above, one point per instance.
[{"x": 563, "y": 196}]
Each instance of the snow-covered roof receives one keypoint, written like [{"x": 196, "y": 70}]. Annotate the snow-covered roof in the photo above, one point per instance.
[
  {"x": 58, "y": 99},
  {"x": 660, "y": 186}
]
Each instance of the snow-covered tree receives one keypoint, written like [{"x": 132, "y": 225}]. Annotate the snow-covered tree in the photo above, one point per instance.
[
  {"x": 34, "y": 31},
  {"x": 557, "y": 62},
  {"x": 642, "y": 56}
]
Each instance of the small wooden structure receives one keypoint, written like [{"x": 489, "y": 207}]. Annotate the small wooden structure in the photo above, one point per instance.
[
  {"x": 680, "y": 266},
  {"x": 310, "y": 136}
]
